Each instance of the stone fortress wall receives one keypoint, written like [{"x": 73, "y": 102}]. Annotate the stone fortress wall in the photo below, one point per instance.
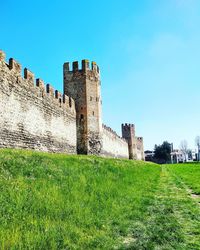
[
  {"x": 114, "y": 145},
  {"x": 34, "y": 116}
]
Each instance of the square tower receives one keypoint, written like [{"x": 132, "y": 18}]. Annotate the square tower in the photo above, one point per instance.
[
  {"x": 83, "y": 85},
  {"x": 140, "y": 148},
  {"x": 128, "y": 133}
]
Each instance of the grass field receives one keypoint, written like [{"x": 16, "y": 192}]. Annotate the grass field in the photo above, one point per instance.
[
  {"x": 51, "y": 201},
  {"x": 188, "y": 173}
]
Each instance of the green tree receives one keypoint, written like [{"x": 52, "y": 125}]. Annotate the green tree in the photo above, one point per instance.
[{"x": 162, "y": 152}]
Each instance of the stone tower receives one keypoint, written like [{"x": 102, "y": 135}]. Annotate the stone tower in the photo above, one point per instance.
[
  {"x": 83, "y": 85},
  {"x": 128, "y": 133},
  {"x": 140, "y": 148}
]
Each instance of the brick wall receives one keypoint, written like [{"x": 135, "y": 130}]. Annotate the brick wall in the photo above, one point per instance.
[
  {"x": 113, "y": 145},
  {"x": 33, "y": 115}
]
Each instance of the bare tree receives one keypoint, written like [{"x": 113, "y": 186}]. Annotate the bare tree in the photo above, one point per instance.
[
  {"x": 197, "y": 142},
  {"x": 184, "y": 148}
]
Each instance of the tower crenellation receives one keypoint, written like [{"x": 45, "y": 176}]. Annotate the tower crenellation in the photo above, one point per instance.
[
  {"x": 85, "y": 66},
  {"x": 83, "y": 85},
  {"x": 128, "y": 132}
]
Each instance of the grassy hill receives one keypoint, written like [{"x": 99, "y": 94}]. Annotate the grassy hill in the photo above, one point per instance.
[
  {"x": 53, "y": 201},
  {"x": 189, "y": 174}
]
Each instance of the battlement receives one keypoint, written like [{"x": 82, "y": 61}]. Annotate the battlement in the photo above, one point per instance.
[
  {"x": 140, "y": 139},
  {"x": 85, "y": 66},
  {"x": 2, "y": 55},
  {"x": 112, "y": 131},
  {"x": 128, "y": 130},
  {"x": 28, "y": 78},
  {"x": 15, "y": 66},
  {"x": 36, "y": 116},
  {"x": 128, "y": 126}
]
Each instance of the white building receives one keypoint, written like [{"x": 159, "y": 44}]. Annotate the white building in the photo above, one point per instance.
[{"x": 177, "y": 156}]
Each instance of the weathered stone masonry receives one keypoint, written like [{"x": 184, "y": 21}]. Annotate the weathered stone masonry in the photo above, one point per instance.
[
  {"x": 83, "y": 85},
  {"x": 113, "y": 144},
  {"x": 34, "y": 116}
]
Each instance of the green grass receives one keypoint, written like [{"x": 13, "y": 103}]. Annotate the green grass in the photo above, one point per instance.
[
  {"x": 54, "y": 201},
  {"x": 189, "y": 173},
  {"x": 51, "y": 201}
]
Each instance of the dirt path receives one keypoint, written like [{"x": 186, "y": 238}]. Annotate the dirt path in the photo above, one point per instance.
[
  {"x": 172, "y": 221},
  {"x": 187, "y": 211},
  {"x": 183, "y": 185},
  {"x": 193, "y": 195}
]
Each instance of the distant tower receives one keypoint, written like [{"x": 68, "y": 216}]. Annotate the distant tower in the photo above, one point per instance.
[
  {"x": 128, "y": 133},
  {"x": 140, "y": 148},
  {"x": 83, "y": 85}
]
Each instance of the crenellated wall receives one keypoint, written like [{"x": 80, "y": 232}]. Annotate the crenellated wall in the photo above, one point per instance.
[
  {"x": 33, "y": 115},
  {"x": 113, "y": 144}
]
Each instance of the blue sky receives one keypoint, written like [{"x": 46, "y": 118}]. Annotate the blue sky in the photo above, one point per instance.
[{"x": 148, "y": 53}]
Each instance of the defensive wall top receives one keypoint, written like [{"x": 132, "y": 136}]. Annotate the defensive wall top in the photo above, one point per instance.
[
  {"x": 29, "y": 77},
  {"x": 128, "y": 125},
  {"x": 140, "y": 139},
  {"x": 85, "y": 66},
  {"x": 112, "y": 131}
]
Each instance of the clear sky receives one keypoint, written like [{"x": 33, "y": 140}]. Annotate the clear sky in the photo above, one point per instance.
[{"x": 148, "y": 52}]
